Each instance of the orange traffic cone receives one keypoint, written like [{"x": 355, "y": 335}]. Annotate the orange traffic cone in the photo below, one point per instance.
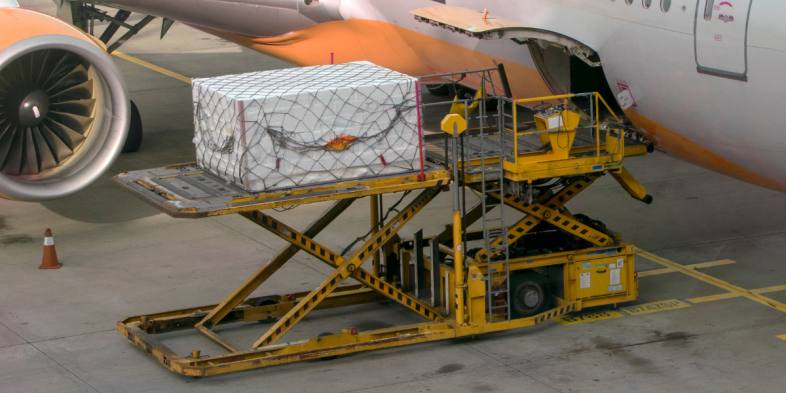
[{"x": 50, "y": 255}]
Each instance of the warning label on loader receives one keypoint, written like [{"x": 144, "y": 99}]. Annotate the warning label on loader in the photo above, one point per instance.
[{"x": 584, "y": 281}]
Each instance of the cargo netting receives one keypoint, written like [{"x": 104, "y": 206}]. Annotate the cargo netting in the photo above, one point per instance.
[{"x": 301, "y": 126}]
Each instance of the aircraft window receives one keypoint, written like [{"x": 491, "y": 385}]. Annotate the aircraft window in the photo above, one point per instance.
[
  {"x": 646, "y": 3},
  {"x": 629, "y": 2},
  {"x": 665, "y": 5}
]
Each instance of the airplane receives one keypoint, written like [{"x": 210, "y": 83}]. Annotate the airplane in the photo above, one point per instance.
[{"x": 700, "y": 79}]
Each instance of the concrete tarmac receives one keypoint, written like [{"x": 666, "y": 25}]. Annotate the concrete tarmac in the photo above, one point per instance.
[{"x": 122, "y": 257}]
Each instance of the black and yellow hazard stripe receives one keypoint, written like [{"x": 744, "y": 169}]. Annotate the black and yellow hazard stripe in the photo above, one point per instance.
[
  {"x": 345, "y": 267},
  {"x": 556, "y": 312},
  {"x": 307, "y": 303},
  {"x": 570, "y": 191},
  {"x": 295, "y": 237},
  {"x": 568, "y": 224},
  {"x": 335, "y": 260},
  {"x": 529, "y": 221}
]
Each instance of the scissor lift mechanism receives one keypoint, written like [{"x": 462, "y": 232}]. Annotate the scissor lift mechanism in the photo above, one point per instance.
[{"x": 186, "y": 191}]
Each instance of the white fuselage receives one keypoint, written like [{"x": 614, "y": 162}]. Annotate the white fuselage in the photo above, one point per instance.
[{"x": 706, "y": 80}]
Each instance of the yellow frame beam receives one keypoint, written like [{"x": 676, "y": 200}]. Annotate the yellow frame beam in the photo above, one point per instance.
[
  {"x": 261, "y": 275},
  {"x": 291, "y": 309},
  {"x": 344, "y": 267},
  {"x": 337, "y": 344},
  {"x": 530, "y": 221}
]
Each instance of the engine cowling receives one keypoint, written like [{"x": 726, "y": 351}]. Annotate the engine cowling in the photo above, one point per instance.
[{"x": 64, "y": 107}]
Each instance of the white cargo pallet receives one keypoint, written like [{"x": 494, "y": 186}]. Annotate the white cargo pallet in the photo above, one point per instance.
[{"x": 283, "y": 128}]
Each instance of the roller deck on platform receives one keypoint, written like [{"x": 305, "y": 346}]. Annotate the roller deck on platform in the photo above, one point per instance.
[{"x": 186, "y": 191}]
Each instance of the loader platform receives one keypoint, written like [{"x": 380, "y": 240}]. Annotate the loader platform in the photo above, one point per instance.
[{"x": 508, "y": 275}]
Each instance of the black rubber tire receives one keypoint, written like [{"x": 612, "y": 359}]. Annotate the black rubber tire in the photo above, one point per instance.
[
  {"x": 134, "y": 138},
  {"x": 267, "y": 301},
  {"x": 530, "y": 294}
]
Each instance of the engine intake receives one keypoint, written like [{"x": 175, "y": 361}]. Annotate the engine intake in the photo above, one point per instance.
[{"x": 64, "y": 110}]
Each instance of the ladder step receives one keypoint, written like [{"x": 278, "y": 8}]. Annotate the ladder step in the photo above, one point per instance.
[
  {"x": 494, "y": 308},
  {"x": 496, "y": 292},
  {"x": 494, "y": 233}
]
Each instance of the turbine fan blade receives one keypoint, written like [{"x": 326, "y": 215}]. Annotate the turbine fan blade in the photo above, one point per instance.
[
  {"x": 5, "y": 87},
  {"x": 46, "y": 157},
  {"x": 74, "y": 77},
  {"x": 59, "y": 148},
  {"x": 43, "y": 61},
  {"x": 35, "y": 65},
  {"x": 80, "y": 124},
  {"x": 65, "y": 78},
  {"x": 30, "y": 157},
  {"x": 77, "y": 107},
  {"x": 70, "y": 137},
  {"x": 62, "y": 64},
  {"x": 21, "y": 70},
  {"x": 5, "y": 142},
  {"x": 12, "y": 165},
  {"x": 81, "y": 91}
]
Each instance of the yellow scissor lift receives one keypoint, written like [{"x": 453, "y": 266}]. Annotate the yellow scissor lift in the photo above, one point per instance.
[{"x": 459, "y": 305}]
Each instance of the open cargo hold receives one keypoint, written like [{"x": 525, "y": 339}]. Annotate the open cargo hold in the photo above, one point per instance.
[{"x": 303, "y": 126}]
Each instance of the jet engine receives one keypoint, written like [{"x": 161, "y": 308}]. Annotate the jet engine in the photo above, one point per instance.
[{"x": 64, "y": 108}]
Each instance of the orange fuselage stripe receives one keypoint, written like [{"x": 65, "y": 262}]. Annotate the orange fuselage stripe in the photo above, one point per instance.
[{"x": 387, "y": 45}]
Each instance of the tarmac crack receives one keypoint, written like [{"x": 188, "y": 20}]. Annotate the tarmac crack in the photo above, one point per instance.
[
  {"x": 64, "y": 367},
  {"x": 15, "y": 334},
  {"x": 533, "y": 378},
  {"x": 73, "y": 335}
]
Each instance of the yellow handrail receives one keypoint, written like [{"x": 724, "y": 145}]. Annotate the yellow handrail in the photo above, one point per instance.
[
  {"x": 597, "y": 130},
  {"x": 598, "y": 100}
]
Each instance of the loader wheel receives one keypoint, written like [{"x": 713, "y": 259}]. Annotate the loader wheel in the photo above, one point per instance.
[
  {"x": 267, "y": 301},
  {"x": 530, "y": 294}
]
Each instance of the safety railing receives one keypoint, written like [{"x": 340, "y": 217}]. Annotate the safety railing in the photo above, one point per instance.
[{"x": 595, "y": 100}]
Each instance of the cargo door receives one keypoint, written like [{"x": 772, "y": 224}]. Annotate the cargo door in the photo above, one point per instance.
[{"x": 721, "y": 37}]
